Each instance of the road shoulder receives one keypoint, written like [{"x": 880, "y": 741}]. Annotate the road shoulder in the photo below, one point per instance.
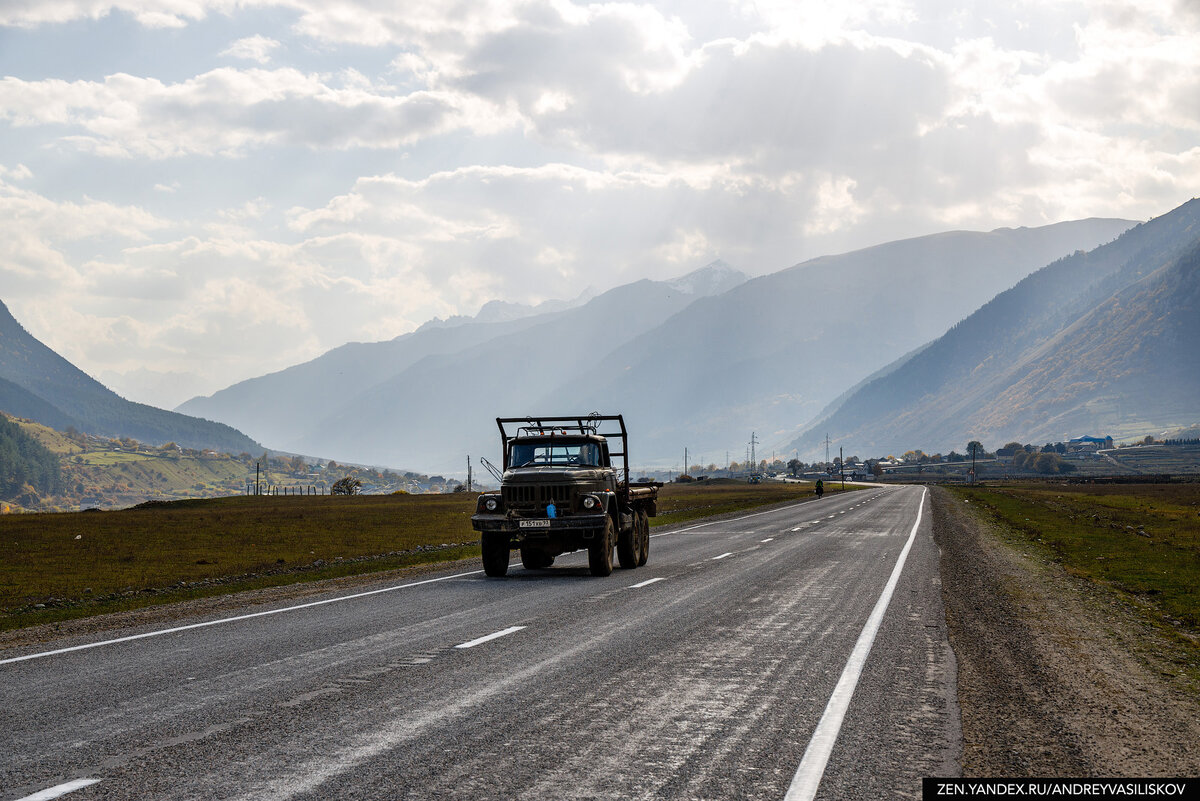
[{"x": 1057, "y": 677}]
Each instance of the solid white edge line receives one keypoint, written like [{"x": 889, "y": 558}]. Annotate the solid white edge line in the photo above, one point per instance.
[
  {"x": 645, "y": 583},
  {"x": 493, "y": 636},
  {"x": 59, "y": 790},
  {"x": 768, "y": 539},
  {"x": 722, "y": 556},
  {"x": 816, "y": 756},
  {"x": 232, "y": 619}
]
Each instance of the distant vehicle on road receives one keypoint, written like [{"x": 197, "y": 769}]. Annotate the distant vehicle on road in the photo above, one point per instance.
[{"x": 560, "y": 492}]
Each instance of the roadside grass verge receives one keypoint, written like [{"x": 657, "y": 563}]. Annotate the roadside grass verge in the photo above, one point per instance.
[
  {"x": 1140, "y": 539},
  {"x": 83, "y": 563},
  {"x": 62, "y": 566}
]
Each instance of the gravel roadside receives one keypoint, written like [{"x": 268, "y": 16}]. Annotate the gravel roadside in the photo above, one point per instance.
[{"x": 1057, "y": 677}]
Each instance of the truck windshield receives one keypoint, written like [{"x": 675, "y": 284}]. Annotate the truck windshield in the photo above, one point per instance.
[{"x": 559, "y": 453}]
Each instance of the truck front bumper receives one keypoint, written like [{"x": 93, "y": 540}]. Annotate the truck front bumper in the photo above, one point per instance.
[{"x": 545, "y": 525}]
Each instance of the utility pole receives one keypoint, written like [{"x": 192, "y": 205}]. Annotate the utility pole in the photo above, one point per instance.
[
  {"x": 842, "y": 467},
  {"x": 256, "y": 466},
  {"x": 753, "y": 456},
  {"x": 972, "y": 461},
  {"x": 469, "y": 484},
  {"x": 826, "y": 448},
  {"x": 685, "y": 464}
]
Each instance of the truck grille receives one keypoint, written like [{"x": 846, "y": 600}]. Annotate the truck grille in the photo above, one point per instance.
[{"x": 537, "y": 495}]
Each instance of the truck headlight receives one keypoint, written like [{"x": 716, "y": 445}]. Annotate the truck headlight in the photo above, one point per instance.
[
  {"x": 491, "y": 505},
  {"x": 590, "y": 502}
]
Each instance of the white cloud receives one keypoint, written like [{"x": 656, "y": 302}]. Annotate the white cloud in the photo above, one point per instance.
[
  {"x": 524, "y": 149},
  {"x": 229, "y": 112},
  {"x": 17, "y": 173},
  {"x": 255, "y": 48}
]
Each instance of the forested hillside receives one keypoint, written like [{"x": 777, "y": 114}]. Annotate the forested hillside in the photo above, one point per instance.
[{"x": 25, "y": 464}]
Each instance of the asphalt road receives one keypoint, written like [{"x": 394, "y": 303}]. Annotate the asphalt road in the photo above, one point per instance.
[{"x": 705, "y": 674}]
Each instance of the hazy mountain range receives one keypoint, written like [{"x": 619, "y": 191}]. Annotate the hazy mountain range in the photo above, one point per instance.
[
  {"x": 38, "y": 384},
  {"x": 700, "y": 361},
  {"x": 1030, "y": 334},
  {"x": 1105, "y": 342}
]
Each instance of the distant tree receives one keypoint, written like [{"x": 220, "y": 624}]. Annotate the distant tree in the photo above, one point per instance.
[
  {"x": 346, "y": 486},
  {"x": 795, "y": 466},
  {"x": 1048, "y": 447},
  {"x": 1148, "y": 439},
  {"x": 975, "y": 448},
  {"x": 876, "y": 468},
  {"x": 1060, "y": 448},
  {"x": 1048, "y": 463}
]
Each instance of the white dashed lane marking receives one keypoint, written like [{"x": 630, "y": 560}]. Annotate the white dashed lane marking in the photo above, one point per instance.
[
  {"x": 59, "y": 790},
  {"x": 490, "y": 637}
]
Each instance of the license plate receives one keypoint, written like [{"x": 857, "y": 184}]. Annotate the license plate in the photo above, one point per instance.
[{"x": 534, "y": 524}]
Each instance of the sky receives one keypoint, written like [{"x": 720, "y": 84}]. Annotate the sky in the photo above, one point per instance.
[{"x": 196, "y": 192}]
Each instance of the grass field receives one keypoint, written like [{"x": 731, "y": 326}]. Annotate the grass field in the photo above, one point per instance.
[
  {"x": 82, "y": 563},
  {"x": 1141, "y": 539}
]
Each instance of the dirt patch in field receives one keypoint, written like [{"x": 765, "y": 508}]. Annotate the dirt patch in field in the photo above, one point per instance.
[{"x": 1057, "y": 676}]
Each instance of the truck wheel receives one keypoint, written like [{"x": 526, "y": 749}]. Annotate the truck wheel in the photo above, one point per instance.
[
  {"x": 600, "y": 560},
  {"x": 628, "y": 546},
  {"x": 535, "y": 560},
  {"x": 643, "y": 526},
  {"x": 495, "y": 554}
]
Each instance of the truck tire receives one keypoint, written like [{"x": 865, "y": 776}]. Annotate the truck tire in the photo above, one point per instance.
[
  {"x": 495, "y": 554},
  {"x": 600, "y": 557},
  {"x": 643, "y": 527},
  {"x": 629, "y": 545},
  {"x": 532, "y": 559}
]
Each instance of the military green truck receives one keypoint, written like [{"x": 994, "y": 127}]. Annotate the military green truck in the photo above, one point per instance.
[{"x": 560, "y": 492}]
